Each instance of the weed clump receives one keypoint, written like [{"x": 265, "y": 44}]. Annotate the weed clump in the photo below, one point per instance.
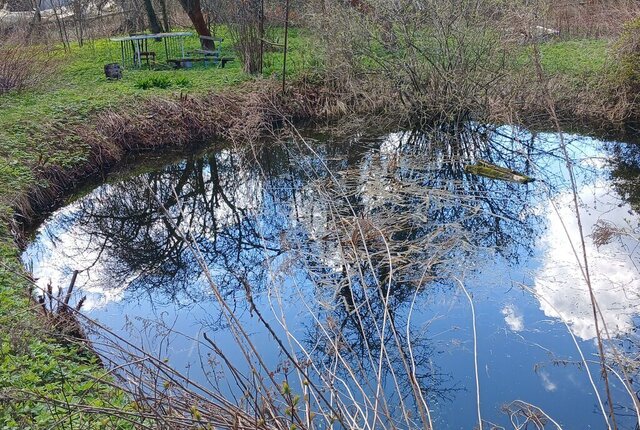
[
  {"x": 155, "y": 81},
  {"x": 183, "y": 82},
  {"x": 628, "y": 51}
]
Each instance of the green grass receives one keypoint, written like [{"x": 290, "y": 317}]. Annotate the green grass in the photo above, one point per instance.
[
  {"x": 79, "y": 86},
  {"x": 574, "y": 58}
]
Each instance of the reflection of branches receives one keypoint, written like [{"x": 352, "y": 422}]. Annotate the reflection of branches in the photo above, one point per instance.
[
  {"x": 524, "y": 415},
  {"x": 385, "y": 227},
  {"x": 626, "y": 172},
  {"x": 427, "y": 212},
  {"x": 214, "y": 205},
  {"x": 357, "y": 232}
]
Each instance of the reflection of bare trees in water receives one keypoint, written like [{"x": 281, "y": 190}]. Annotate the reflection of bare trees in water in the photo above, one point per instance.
[
  {"x": 414, "y": 195},
  {"x": 398, "y": 217},
  {"x": 623, "y": 352},
  {"x": 360, "y": 229},
  {"x": 217, "y": 201},
  {"x": 626, "y": 172}
]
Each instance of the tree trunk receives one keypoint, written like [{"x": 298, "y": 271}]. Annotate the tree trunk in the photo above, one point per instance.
[
  {"x": 37, "y": 18},
  {"x": 194, "y": 11},
  {"x": 154, "y": 24},
  {"x": 165, "y": 15}
]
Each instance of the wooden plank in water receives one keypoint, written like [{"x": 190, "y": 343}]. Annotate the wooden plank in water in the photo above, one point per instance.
[{"x": 489, "y": 170}]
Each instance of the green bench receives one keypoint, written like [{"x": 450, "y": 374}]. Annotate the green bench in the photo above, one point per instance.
[{"x": 210, "y": 51}]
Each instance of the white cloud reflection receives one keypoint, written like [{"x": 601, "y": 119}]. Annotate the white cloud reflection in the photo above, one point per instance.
[
  {"x": 61, "y": 249},
  {"x": 560, "y": 284},
  {"x": 547, "y": 383},
  {"x": 63, "y": 244},
  {"x": 513, "y": 318}
]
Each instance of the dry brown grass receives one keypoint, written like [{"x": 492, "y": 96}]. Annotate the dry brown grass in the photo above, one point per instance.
[{"x": 591, "y": 19}]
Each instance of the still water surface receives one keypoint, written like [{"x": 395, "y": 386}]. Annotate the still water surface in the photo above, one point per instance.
[{"x": 324, "y": 233}]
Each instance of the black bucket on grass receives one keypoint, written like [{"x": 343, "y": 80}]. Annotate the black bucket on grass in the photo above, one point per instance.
[{"x": 113, "y": 71}]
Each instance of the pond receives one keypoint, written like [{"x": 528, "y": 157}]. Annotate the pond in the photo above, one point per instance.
[{"x": 393, "y": 277}]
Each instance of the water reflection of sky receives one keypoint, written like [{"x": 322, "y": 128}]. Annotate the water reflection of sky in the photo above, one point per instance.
[
  {"x": 55, "y": 256},
  {"x": 525, "y": 351},
  {"x": 613, "y": 267}
]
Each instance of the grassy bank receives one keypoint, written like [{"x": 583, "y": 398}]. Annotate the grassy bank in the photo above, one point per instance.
[
  {"x": 35, "y": 125},
  {"x": 76, "y": 123}
]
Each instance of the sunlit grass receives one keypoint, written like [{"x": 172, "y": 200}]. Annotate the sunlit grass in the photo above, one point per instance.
[
  {"x": 79, "y": 86},
  {"x": 574, "y": 57}
]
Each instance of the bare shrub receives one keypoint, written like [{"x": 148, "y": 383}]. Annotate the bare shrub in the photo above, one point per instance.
[
  {"x": 246, "y": 27},
  {"x": 459, "y": 60},
  {"x": 628, "y": 51},
  {"x": 619, "y": 86},
  {"x": 22, "y": 66},
  {"x": 443, "y": 61},
  {"x": 588, "y": 19}
]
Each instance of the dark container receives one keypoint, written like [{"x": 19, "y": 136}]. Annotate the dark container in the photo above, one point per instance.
[{"x": 113, "y": 71}]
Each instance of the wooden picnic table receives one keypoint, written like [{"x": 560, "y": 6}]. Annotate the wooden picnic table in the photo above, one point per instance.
[{"x": 139, "y": 42}]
